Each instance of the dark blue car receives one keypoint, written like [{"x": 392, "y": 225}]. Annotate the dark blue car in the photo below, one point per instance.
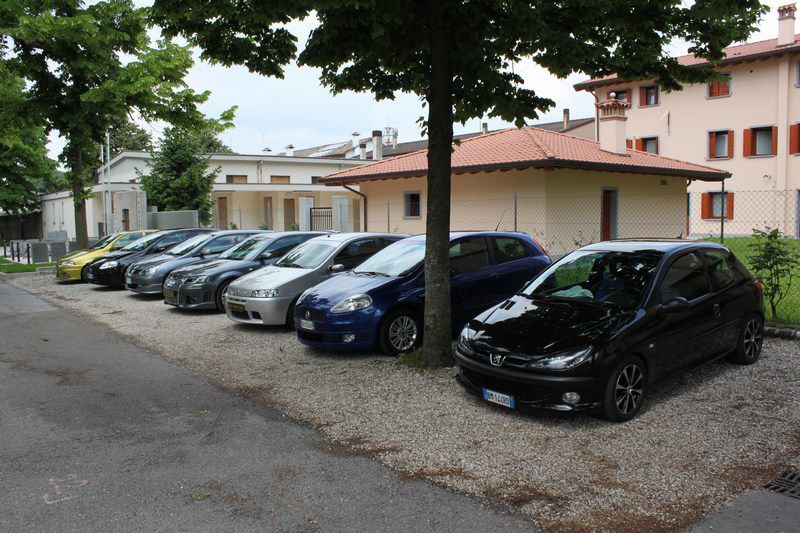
[{"x": 380, "y": 302}]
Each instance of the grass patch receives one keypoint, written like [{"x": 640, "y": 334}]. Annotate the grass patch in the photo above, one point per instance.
[
  {"x": 789, "y": 308},
  {"x": 7, "y": 267}
]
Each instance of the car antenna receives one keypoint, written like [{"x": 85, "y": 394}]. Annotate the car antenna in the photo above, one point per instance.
[{"x": 501, "y": 219}]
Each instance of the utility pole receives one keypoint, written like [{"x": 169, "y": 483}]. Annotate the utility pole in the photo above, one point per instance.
[
  {"x": 108, "y": 177},
  {"x": 103, "y": 190}
]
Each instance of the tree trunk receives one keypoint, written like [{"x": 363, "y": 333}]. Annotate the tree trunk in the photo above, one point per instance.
[
  {"x": 81, "y": 234},
  {"x": 437, "y": 339}
]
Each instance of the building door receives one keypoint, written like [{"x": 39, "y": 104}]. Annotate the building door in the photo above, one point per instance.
[
  {"x": 608, "y": 216},
  {"x": 289, "y": 220},
  {"x": 222, "y": 212},
  {"x": 268, "y": 217},
  {"x": 126, "y": 220}
]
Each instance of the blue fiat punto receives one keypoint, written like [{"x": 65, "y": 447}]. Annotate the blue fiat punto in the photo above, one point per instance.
[{"x": 380, "y": 302}]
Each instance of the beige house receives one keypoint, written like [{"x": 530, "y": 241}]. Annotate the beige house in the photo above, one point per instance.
[
  {"x": 563, "y": 190},
  {"x": 748, "y": 125},
  {"x": 251, "y": 191}
]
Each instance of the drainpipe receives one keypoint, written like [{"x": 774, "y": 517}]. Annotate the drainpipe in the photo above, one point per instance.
[
  {"x": 723, "y": 213},
  {"x": 362, "y": 195},
  {"x": 596, "y": 116}
]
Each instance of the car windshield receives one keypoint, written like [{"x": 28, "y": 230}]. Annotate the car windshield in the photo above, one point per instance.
[
  {"x": 395, "y": 260},
  {"x": 617, "y": 278},
  {"x": 187, "y": 246},
  {"x": 102, "y": 243},
  {"x": 247, "y": 249},
  {"x": 141, "y": 244},
  {"x": 310, "y": 254}
]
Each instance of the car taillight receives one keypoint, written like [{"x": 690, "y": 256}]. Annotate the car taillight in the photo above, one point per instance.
[
  {"x": 758, "y": 286},
  {"x": 540, "y": 247}
]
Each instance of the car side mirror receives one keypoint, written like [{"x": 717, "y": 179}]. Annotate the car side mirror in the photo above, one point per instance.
[
  {"x": 336, "y": 268},
  {"x": 675, "y": 305}
]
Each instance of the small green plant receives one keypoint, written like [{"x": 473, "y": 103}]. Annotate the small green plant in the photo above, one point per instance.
[
  {"x": 264, "y": 226},
  {"x": 774, "y": 260},
  {"x": 233, "y": 226},
  {"x": 411, "y": 359},
  {"x": 293, "y": 226}
]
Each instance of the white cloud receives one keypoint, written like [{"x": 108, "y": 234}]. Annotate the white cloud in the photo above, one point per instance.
[{"x": 297, "y": 110}]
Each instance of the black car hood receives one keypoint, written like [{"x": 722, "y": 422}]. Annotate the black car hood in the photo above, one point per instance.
[
  {"x": 113, "y": 256},
  {"x": 533, "y": 327},
  {"x": 213, "y": 267}
]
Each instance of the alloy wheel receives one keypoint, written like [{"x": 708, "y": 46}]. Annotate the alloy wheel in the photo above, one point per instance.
[
  {"x": 629, "y": 389},
  {"x": 403, "y": 333},
  {"x": 753, "y": 339}
]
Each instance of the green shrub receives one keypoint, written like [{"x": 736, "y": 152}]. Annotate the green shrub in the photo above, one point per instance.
[{"x": 774, "y": 260}]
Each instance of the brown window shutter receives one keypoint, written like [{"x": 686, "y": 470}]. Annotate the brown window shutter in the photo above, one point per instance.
[
  {"x": 658, "y": 146},
  {"x": 730, "y": 143},
  {"x": 705, "y": 206},
  {"x": 729, "y": 205},
  {"x": 628, "y": 95},
  {"x": 642, "y": 96},
  {"x": 629, "y": 143},
  {"x": 723, "y": 89},
  {"x": 774, "y": 140},
  {"x": 712, "y": 145},
  {"x": 747, "y": 146},
  {"x": 794, "y": 139},
  {"x": 640, "y": 145},
  {"x": 713, "y": 89}
]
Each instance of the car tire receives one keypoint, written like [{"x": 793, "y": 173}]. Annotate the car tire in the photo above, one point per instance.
[
  {"x": 751, "y": 340},
  {"x": 220, "y": 292},
  {"x": 85, "y": 274},
  {"x": 290, "y": 313},
  {"x": 400, "y": 332},
  {"x": 625, "y": 390}
]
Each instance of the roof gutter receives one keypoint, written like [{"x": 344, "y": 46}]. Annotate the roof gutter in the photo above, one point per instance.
[{"x": 362, "y": 195}]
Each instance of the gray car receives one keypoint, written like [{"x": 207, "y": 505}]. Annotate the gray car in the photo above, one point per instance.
[
  {"x": 147, "y": 276},
  {"x": 267, "y": 295}
]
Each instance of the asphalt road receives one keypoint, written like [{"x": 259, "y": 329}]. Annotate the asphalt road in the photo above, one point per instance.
[{"x": 98, "y": 434}]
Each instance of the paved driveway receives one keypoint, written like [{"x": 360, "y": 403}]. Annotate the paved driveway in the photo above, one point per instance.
[{"x": 100, "y": 434}]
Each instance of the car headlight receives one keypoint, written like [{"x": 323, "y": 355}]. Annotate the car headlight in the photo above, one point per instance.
[
  {"x": 465, "y": 340},
  {"x": 563, "y": 360},
  {"x": 108, "y": 264},
  {"x": 68, "y": 263},
  {"x": 149, "y": 271},
  {"x": 197, "y": 279},
  {"x": 352, "y": 303},
  {"x": 264, "y": 293}
]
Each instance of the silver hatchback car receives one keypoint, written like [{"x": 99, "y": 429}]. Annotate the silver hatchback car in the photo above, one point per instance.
[{"x": 267, "y": 295}]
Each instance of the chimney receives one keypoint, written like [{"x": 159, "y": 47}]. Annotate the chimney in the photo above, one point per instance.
[
  {"x": 484, "y": 128},
  {"x": 566, "y": 119},
  {"x": 289, "y": 149},
  {"x": 377, "y": 145},
  {"x": 612, "y": 125},
  {"x": 362, "y": 148},
  {"x": 786, "y": 24}
]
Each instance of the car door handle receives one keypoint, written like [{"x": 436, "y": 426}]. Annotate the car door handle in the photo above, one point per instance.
[
  {"x": 717, "y": 310},
  {"x": 494, "y": 275}
]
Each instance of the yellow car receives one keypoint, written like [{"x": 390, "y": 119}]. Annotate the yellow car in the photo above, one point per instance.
[{"x": 71, "y": 266}]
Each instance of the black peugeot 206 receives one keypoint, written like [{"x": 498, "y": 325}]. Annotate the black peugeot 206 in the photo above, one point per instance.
[{"x": 599, "y": 327}]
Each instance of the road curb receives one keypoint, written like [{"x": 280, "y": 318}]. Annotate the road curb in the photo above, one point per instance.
[{"x": 782, "y": 332}]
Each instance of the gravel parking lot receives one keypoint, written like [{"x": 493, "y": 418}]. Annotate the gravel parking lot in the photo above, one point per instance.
[{"x": 700, "y": 440}]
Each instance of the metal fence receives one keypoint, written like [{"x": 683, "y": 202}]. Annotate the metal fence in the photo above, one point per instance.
[{"x": 562, "y": 223}]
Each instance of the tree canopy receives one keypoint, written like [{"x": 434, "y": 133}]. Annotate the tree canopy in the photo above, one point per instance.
[
  {"x": 87, "y": 67},
  {"x": 125, "y": 134},
  {"x": 459, "y": 58},
  {"x": 24, "y": 163}
]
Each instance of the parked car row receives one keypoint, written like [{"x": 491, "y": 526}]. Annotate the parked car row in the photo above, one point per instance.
[{"x": 591, "y": 332}]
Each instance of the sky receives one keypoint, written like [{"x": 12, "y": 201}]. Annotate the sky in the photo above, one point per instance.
[{"x": 298, "y": 110}]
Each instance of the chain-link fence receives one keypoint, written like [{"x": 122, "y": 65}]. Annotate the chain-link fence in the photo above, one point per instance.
[
  {"x": 562, "y": 223},
  {"x": 342, "y": 218}
]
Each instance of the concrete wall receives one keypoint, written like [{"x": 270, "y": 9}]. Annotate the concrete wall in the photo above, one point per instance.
[{"x": 561, "y": 208}]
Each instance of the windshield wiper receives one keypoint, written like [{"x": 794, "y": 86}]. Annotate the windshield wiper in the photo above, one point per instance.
[
  {"x": 288, "y": 265},
  {"x": 371, "y": 273}
]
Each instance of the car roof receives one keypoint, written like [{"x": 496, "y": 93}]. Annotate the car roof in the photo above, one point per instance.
[
  {"x": 237, "y": 232},
  {"x": 666, "y": 246},
  {"x": 268, "y": 234},
  {"x": 342, "y": 237},
  {"x": 458, "y": 234}
]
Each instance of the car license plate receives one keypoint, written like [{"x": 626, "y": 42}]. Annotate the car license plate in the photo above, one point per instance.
[
  {"x": 307, "y": 324},
  {"x": 496, "y": 397},
  {"x": 239, "y": 308},
  {"x": 128, "y": 279},
  {"x": 90, "y": 276},
  {"x": 169, "y": 294}
]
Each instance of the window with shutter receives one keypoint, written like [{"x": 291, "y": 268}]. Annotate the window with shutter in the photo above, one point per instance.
[
  {"x": 629, "y": 143},
  {"x": 794, "y": 139},
  {"x": 648, "y": 95},
  {"x": 761, "y": 141},
  {"x": 717, "y": 89},
  {"x": 720, "y": 144},
  {"x": 716, "y": 205}
]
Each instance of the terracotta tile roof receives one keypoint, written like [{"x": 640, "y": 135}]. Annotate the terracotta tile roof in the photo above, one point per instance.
[
  {"x": 739, "y": 52},
  {"x": 559, "y": 124},
  {"x": 527, "y": 147}
]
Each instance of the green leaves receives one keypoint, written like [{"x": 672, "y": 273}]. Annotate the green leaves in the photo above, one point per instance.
[{"x": 775, "y": 261}]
